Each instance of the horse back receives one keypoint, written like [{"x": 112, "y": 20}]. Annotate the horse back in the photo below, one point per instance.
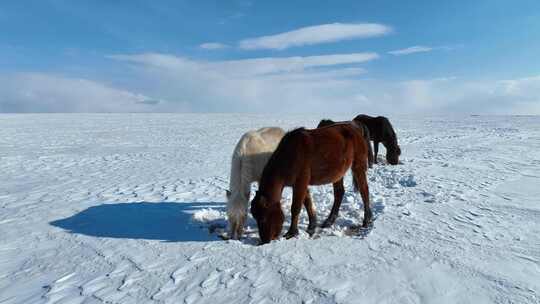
[
  {"x": 380, "y": 128},
  {"x": 324, "y": 153},
  {"x": 335, "y": 149},
  {"x": 259, "y": 141}
]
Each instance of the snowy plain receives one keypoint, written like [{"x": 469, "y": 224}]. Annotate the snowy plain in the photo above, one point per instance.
[{"x": 128, "y": 208}]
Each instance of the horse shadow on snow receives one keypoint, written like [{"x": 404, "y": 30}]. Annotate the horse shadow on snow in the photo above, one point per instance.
[
  {"x": 169, "y": 222},
  {"x": 165, "y": 221}
]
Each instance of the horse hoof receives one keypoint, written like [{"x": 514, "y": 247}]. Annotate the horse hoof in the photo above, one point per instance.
[
  {"x": 366, "y": 223},
  {"x": 291, "y": 234},
  {"x": 311, "y": 231},
  {"x": 224, "y": 237},
  {"x": 326, "y": 225}
]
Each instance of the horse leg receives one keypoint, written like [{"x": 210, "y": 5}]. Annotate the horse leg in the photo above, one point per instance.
[
  {"x": 299, "y": 195},
  {"x": 362, "y": 184},
  {"x": 312, "y": 215},
  {"x": 339, "y": 190},
  {"x": 376, "y": 150}
]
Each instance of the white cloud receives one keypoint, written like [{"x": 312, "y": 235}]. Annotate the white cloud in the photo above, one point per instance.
[
  {"x": 321, "y": 85},
  {"x": 213, "y": 46},
  {"x": 412, "y": 50},
  {"x": 38, "y": 92},
  {"x": 453, "y": 95},
  {"x": 251, "y": 85},
  {"x": 324, "y": 33},
  {"x": 179, "y": 84}
]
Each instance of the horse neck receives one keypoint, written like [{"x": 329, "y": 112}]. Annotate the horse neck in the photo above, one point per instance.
[
  {"x": 271, "y": 186},
  {"x": 390, "y": 144}
]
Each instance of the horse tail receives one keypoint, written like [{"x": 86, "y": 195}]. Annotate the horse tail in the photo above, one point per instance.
[
  {"x": 235, "y": 177},
  {"x": 366, "y": 136},
  {"x": 367, "y": 139},
  {"x": 362, "y": 147}
]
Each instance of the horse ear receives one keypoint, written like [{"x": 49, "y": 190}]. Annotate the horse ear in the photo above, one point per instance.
[{"x": 228, "y": 193}]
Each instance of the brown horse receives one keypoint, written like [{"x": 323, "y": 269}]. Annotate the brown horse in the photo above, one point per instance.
[
  {"x": 309, "y": 157},
  {"x": 339, "y": 190},
  {"x": 380, "y": 130}
]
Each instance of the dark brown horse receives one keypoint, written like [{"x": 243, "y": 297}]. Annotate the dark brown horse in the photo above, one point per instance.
[
  {"x": 381, "y": 131},
  {"x": 309, "y": 157},
  {"x": 339, "y": 190}
]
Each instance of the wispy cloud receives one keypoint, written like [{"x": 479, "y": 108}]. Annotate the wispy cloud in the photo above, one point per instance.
[
  {"x": 411, "y": 50},
  {"x": 424, "y": 49},
  {"x": 314, "y": 75},
  {"x": 269, "y": 65},
  {"x": 310, "y": 35},
  {"x": 249, "y": 67},
  {"x": 213, "y": 46}
]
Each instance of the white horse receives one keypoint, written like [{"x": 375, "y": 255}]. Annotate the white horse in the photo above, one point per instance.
[{"x": 250, "y": 155}]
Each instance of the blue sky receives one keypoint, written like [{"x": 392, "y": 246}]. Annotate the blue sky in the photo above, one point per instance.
[{"x": 262, "y": 56}]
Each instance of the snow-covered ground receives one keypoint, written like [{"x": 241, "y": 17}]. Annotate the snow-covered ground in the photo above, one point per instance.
[{"x": 127, "y": 208}]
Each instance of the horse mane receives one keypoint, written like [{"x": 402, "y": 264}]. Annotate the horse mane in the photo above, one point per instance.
[
  {"x": 272, "y": 163},
  {"x": 388, "y": 129},
  {"x": 285, "y": 138},
  {"x": 294, "y": 131},
  {"x": 330, "y": 123},
  {"x": 325, "y": 122}
]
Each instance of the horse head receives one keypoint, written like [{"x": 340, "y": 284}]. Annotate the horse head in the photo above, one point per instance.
[
  {"x": 269, "y": 217},
  {"x": 393, "y": 151}
]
